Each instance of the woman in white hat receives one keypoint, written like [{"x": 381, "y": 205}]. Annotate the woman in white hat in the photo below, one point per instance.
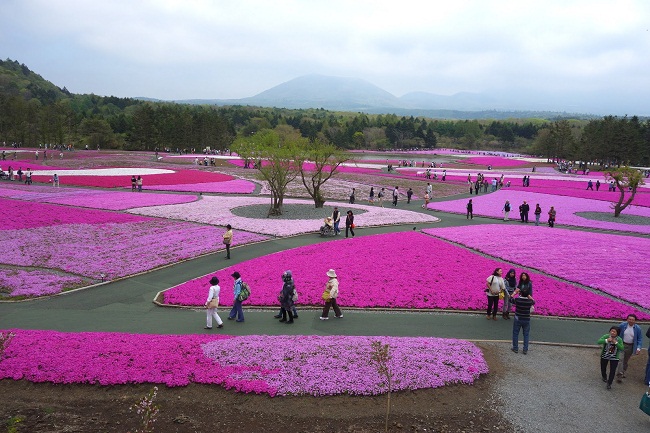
[{"x": 329, "y": 296}]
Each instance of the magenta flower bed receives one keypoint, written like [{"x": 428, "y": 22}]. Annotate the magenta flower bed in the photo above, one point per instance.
[
  {"x": 179, "y": 177},
  {"x": 494, "y": 161},
  {"x": 491, "y": 205},
  {"x": 579, "y": 189},
  {"x": 237, "y": 186},
  {"x": 21, "y": 282},
  {"x": 24, "y": 164},
  {"x": 280, "y": 365},
  {"x": 402, "y": 276},
  {"x": 607, "y": 262},
  {"x": 29, "y": 215}
]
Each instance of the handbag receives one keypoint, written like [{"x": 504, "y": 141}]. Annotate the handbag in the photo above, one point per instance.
[
  {"x": 502, "y": 294},
  {"x": 214, "y": 303},
  {"x": 352, "y": 225},
  {"x": 645, "y": 402}
]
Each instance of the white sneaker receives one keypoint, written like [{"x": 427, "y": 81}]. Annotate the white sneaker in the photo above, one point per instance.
[
  {"x": 324, "y": 318},
  {"x": 339, "y": 317}
]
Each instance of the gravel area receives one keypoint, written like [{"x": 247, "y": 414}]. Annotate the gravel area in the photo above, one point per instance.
[
  {"x": 622, "y": 218},
  {"x": 559, "y": 389},
  {"x": 292, "y": 212}
]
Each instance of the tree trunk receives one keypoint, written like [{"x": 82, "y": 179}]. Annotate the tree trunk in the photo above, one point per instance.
[{"x": 318, "y": 198}]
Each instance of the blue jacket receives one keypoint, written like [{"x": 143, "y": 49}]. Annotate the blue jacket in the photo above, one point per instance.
[
  {"x": 237, "y": 288},
  {"x": 638, "y": 337}
]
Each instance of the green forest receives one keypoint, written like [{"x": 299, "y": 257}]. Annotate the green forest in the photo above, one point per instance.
[{"x": 34, "y": 111}]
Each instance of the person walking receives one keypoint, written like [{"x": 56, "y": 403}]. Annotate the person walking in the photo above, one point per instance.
[
  {"x": 227, "y": 240},
  {"x": 429, "y": 189},
  {"x": 409, "y": 194},
  {"x": 426, "y": 201},
  {"x": 597, "y": 185},
  {"x": 55, "y": 180},
  {"x": 632, "y": 337},
  {"x": 330, "y": 296},
  {"x": 380, "y": 196},
  {"x": 212, "y": 303},
  {"x": 336, "y": 217},
  {"x": 133, "y": 183},
  {"x": 524, "y": 302},
  {"x": 349, "y": 223},
  {"x": 371, "y": 196},
  {"x": 525, "y": 210},
  {"x": 237, "y": 312},
  {"x": 287, "y": 278},
  {"x": 494, "y": 285},
  {"x": 590, "y": 185},
  {"x": 612, "y": 347},
  {"x": 470, "y": 209},
  {"x": 395, "y": 195},
  {"x": 551, "y": 217},
  {"x": 286, "y": 298},
  {"x": 538, "y": 214},
  {"x": 352, "y": 196},
  {"x": 647, "y": 367},
  {"x": 506, "y": 210},
  {"x": 510, "y": 282}
]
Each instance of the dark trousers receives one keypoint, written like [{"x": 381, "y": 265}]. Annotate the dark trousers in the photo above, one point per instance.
[
  {"x": 347, "y": 227},
  {"x": 493, "y": 305},
  {"x": 647, "y": 372},
  {"x": 523, "y": 325},
  {"x": 470, "y": 214},
  {"x": 227, "y": 251},
  {"x": 613, "y": 363},
  {"x": 331, "y": 303}
]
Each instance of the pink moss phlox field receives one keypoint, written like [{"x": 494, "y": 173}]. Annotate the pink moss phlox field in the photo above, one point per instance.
[
  {"x": 176, "y": 178},
  {"x": 22, "y": 282},
  {"x": 346, "y": 168},
  {"x": 491, "y": 205},
  {"x": 396, "y": 270},
  {"x": 274, "y": 365},
  {"x": 26, "y": 215},
  {"x": 307, "y": 364},
  {"x": 578, "y": 189},
  {"x": 236, "y": 186},
  {"x": 494, "y": 161},
  {"x": 217, "y": 210},
  {"x": 24, "y": 164},
  {"x": 546, "y": 249}
]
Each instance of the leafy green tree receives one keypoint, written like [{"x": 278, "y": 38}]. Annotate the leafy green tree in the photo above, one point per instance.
[
  {"x": 326, "y": 159},
  {"x": 626, "y": 180},
  {"x": 274, "y": 151}
]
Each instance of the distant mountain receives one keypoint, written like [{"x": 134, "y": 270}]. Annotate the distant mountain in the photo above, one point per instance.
[
  {"x": 18, "y": 79},
  {"x": 353, "y": 94}
]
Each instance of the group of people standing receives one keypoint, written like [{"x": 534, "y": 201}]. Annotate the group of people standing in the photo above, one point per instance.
[
  {"x": 136, "y": 183},
  {"x": 287, "y": 298},
  {"x": 517, "y": 294},
  {"x": 524, "y": 211}
]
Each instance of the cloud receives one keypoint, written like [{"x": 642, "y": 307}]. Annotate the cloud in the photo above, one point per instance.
[{"x": 202, "y": 48}]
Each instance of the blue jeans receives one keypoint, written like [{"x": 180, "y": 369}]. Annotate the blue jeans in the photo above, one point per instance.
[
  {"x": 516, "y": 326},
  {"x": 647, "y": 371},
  {"x": 337, "y": 230},
  {"x": 237, "y": 311}
]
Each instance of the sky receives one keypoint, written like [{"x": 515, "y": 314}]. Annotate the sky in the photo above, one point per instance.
[{"x": 564, "y": 55}]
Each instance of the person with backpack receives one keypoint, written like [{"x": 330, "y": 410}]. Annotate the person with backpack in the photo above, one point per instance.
[
  {"x": 330, "y": 295},
  {"x": 237, "y": 312},
  {"x": 287, "y": 298}
]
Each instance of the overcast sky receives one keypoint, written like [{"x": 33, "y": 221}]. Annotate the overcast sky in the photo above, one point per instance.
[{"x": 565, "y": 53}]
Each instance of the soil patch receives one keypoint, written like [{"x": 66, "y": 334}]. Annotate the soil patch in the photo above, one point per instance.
[{"x": 30, "y": 407}]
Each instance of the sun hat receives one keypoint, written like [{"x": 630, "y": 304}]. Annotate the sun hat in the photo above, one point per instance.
[
  {"x": 214, "y": 281},
  {"x": 236, "y": 275},
  {"x": 331, "y": 273}
]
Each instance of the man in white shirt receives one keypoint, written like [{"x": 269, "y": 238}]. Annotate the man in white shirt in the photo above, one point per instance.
[{"x": 630, "y": 332}]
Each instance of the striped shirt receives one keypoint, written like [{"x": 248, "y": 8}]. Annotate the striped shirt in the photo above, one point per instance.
[{"x": 522, "y": 308}]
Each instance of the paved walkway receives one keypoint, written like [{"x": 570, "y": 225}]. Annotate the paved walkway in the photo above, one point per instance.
[{"x": 126, "y": 305}]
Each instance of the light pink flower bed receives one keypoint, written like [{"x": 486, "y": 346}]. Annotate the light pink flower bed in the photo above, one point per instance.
[
  {"x": 491, "y": 205},
  {"x": 274, "y": 365},
  {"x": 23, "y": 282},
  {"x": 217, "y": 211},
  {"x": 603, "y": 261},
  {"x": 396, "y": 270},
  {"x": 107, "y": 200},
  {"x": 310, "y": 166},
  {"x": 236, "y": 186}
]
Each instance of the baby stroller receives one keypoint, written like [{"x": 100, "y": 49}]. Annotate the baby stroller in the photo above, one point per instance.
[{"x": 327, "y": 229}]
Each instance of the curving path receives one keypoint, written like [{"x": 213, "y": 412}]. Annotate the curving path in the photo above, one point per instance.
[{"x": 126, "y": 305}]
